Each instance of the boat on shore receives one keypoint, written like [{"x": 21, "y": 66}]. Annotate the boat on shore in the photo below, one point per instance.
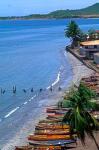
[
  {"x": 56, "y": 109},
  {"x": 47, "y": 126},
  {"x": 49, "y": 137},
  {"x": 52, "y": 132}
]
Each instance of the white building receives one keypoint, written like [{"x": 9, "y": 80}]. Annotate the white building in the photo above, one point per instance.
[{"x": 88, "y": 48}]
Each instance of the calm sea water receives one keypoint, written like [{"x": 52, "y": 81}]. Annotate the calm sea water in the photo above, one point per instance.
[{"x": 31, "y": 56}]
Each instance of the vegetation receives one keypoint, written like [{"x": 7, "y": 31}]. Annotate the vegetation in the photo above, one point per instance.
[
  {"x": 80, "y": 104},
  {"x": 91, "y": 11},
  {"x": 73, "y": 32}
]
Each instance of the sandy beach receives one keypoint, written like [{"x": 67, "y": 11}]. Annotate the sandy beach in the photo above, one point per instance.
[{"x": 79, "y": 71}]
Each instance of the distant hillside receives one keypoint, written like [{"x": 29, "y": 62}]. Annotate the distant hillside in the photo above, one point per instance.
[
  {"x": 91, "y": 11},
  {"x": 85, "y": 12}
]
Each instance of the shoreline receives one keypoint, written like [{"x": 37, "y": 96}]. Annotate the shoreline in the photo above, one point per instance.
[
  {"x": 25, "y": 19},
  {"x": 79, "y": 70}
]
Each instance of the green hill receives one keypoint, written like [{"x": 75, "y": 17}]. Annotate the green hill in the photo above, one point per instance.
[
  {"x": 91, "y": 11},
  {"x": 88, "y": 11}
]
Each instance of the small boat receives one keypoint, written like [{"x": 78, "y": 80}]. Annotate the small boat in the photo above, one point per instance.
[
  {"x": 53, "y": 110},
  {"x": 42, "y": 147},
  {"x": 46, "y": 126},
  {"x": 28, "y": 147},
  {"x": 54, "y": 143},
  {"x": 51, "y": 121},
  {"x": 55, "y": 115},
  {"x": 52, "y": 132},
  {"x": 49, "y": 137}
]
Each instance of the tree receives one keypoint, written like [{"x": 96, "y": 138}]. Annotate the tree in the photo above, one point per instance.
[
  {"x": 92, "y": 34},
  {"x": 73, "y": 31},
  {"x": 79, "y": 116}
]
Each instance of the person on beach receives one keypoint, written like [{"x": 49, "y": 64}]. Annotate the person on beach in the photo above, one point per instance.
[
  {"x": 51, "y": 89},
  {"x": 1, "y": 90},
  {"x": 24, "y": 90},
  {"x": 14, "y": 89},
  {"x": 41, "y": 90},
  {"x": 32, "y": 90},
  {"x": 59, "y": 89}
]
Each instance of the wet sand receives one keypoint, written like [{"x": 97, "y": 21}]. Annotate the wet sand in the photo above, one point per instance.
[
  {"x": 20, "y": 138},
  {"x": 89, "y": 145}
]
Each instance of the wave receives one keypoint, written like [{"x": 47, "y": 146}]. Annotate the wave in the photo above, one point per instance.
[
  {"x": 11, "y": 112},
  {"x": 15, "y": 109},
  {"x": 56, "y": 81}
]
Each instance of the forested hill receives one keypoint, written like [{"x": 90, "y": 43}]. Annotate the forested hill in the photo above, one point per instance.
[{"x": 88, "y": 12}]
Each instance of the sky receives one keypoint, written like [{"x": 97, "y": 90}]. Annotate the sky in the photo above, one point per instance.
[{"x": 26, "y": 7}]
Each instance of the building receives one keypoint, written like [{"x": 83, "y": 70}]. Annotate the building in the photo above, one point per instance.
[{"x": 89, "y": 48}]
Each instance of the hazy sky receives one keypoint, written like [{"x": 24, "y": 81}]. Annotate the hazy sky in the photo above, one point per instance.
[{"x": 25, "y": 7}]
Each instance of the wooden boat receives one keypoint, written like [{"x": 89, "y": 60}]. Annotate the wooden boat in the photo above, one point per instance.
[
  {"x": 50, "y": 121},
  {"x": 53, "y": 110},
  {"x": 55, "y": 115},
  {"x": 50, "y": 147},
  {"x": 45, "y": 145},
  {"x": 49, "y": 137},
  {"x": 46, "y": 126},
  {"x": 52, "y": 143},
  {"x": 52, "y": 132},
  {"x": 28, "y": 147}
]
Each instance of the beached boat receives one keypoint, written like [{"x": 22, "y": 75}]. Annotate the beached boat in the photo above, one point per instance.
[
  {"x": 47, "y": 126},
  {"x": 51, "y": 121},
  {"x": 55, "y": 115},
  {"x": 50, "y": 147},
  {"x": 54, "y": 110},
  {"x": 52, "y": 142},
  {"x": 28, "y": 147},
  {"x": 52, "y": 132},
  {"x": 49, "y": 137}
]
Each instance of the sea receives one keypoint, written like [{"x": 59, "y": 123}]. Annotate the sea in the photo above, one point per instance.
[{"x": 32, "y": 60}]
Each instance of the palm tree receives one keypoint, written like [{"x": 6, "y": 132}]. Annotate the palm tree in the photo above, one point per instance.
[
  {"x": 79, "y": 116},
  {"x": 73, "y": 31}
]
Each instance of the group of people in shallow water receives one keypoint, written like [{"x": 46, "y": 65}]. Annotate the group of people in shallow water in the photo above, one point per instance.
[{"x": 14, "y": 90}]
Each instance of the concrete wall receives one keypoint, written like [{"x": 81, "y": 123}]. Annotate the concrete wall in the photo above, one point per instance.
[{"x": 96, "y": 59}]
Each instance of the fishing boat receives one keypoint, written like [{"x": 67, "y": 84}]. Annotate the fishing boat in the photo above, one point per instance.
[
  {"x": 45, "y": 145},
  {"x": 53, "y": 110},
  {"x": 50, "y": 147},
  {"x": 49, "y": 137},
  {"x": 52, "y": 142},
  {"x": 47, "y": 126},
  {"x": 55, "y": 115},
  {"x": 51, "y": 121},
  {"x": 28, "y": 147},
  {"x": 52, "y": 132}
]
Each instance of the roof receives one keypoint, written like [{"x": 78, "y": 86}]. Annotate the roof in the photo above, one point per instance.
[
  {"x": 97, "y": 31},
  {"x": 90, "y": 43}
]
